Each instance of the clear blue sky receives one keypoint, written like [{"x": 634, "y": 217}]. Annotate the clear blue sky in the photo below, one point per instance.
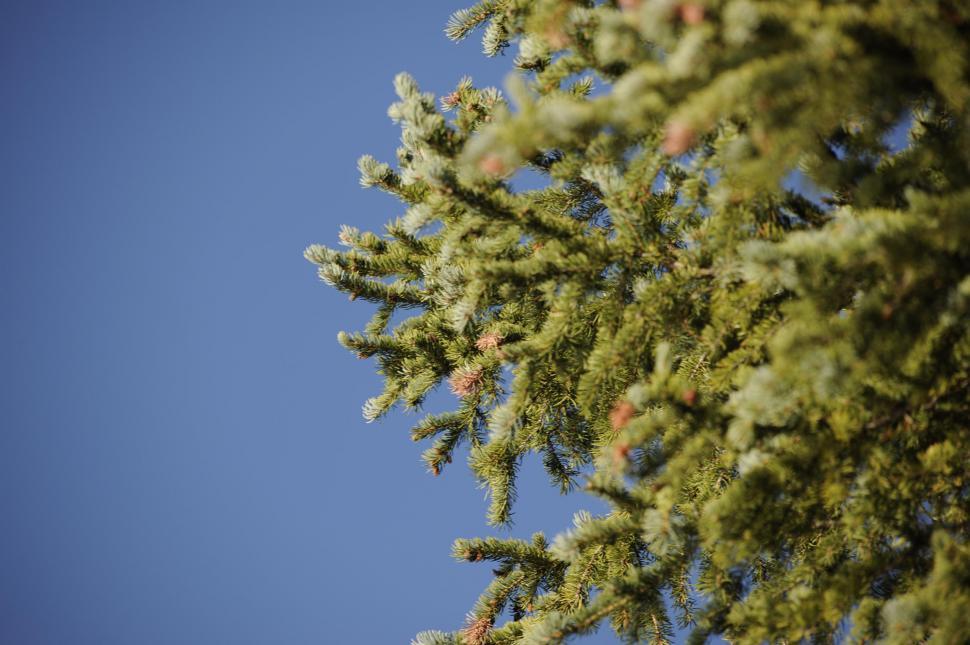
[{"x": 182, "y": 455}]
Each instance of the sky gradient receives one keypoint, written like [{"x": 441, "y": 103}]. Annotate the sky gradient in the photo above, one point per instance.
[{"x": 182, "y": 458}]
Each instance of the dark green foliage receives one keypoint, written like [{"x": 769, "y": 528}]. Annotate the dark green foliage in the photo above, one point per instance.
[{"x": 769, "y": 376}]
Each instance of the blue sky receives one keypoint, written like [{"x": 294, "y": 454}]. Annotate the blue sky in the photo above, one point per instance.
[{"x": 182, "y": 456}]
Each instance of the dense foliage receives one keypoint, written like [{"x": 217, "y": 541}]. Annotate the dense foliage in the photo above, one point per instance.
[{"x": 737, "y": 310}]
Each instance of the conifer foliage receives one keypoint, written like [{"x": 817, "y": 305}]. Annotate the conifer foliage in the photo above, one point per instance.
[{"x": 735, "y": 310}]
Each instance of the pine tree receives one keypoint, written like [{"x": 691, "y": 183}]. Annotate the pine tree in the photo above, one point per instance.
[{"x": 735, "y": 310}]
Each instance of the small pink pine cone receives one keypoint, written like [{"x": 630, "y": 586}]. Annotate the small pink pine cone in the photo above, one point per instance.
[
  {"x": 477, "y": 631},
  {"x": 492, "y": 164},
  {"x": 691, "y": 13},
  {"x": 491, "y": 340},
  {"x": 621, "y": 414},
  {"x": 678, "y": 138},
  {"x": 450, "y": 100},
  {"x": 465, "y": 381}
]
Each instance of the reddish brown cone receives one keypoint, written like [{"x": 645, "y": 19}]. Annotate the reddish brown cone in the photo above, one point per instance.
[
  {"x": 678, "y": 138},
  {"x": 691, "y": 13},
  {"x": 450, "y": 100},
  {"x": 465, "y": 381},
  {"x": 620, "y": 452},
  {"x": 477, "y": 631},
  {"x": 622, "y": 412},
  {"x": 492, "y": 164},
  {"x": 491, "y": 340}
]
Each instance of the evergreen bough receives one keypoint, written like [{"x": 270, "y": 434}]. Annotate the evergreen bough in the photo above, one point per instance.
[{"x": 736, "y": 310}]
